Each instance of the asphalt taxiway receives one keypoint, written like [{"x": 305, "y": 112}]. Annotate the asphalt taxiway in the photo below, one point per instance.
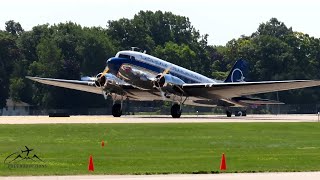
[
  {"x": 227, "y": 176},
  {"x": 156, "y": 119}
]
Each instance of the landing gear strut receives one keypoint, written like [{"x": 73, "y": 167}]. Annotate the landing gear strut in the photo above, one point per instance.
[
  {"x": 116, "y": 110},
  {"x": 175, "y": 111}
]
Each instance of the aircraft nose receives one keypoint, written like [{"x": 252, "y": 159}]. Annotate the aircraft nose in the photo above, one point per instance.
[
  {"x": 110, "y": 64},
  {"x": 109, "y": 61},
  {"x": 114, "y": 64}
]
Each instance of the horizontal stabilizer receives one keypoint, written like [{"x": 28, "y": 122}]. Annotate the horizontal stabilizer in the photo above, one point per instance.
[{"x": 257, "y": 101}]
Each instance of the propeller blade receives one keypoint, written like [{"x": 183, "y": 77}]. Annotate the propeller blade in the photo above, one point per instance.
[
  {"x": 166, "y": 71},
  {"x": 105, "y": 71}
]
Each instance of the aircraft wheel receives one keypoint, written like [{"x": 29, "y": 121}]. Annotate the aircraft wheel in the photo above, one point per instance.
[
  {"x": 238, "y": 113},
  {"x": 229, "y": 113},
  {"x": 116, "y": 110},
  {"x": 176, "y": 111},
  {"x": 244, "y": 113}
]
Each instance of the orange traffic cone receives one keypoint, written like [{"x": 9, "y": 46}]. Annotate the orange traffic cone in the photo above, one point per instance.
[
  {"x": 102, "y": 143},
  {"x": 90, "y": 166},
  {"x": 223, "y": 165}
]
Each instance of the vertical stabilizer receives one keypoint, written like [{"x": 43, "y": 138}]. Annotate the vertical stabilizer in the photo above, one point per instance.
[{"x": 238, "y": 72}]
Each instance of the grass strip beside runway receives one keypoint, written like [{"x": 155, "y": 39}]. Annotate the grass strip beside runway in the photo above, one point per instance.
[{"x": 161, "y": 148}]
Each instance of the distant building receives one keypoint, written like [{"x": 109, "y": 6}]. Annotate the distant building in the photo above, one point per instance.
[{"x": 15, "y": 108}]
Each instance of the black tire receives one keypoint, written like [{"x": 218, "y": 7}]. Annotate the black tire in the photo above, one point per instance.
[
  {"x": 238, "y": 113},
  {"x": 244, "y": 113},
  {"x": 176, "y": 111},
  {"x": 116, "y": 110},
  {"x": 229, "y": 113}
]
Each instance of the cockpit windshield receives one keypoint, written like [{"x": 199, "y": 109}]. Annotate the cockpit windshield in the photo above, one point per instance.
[{"x": 126, "y": 56}]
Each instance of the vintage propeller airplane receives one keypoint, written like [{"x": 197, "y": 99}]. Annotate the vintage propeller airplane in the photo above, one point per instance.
[{"x": 141, "y": 77}]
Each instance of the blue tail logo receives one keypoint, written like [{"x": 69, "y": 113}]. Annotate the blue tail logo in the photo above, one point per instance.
[{"x": 238, "y": 72}]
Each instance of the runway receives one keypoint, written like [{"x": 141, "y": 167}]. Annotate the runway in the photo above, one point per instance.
[
  {"x": 228, "y": 176},
  {"x": 156, "y": 119}
]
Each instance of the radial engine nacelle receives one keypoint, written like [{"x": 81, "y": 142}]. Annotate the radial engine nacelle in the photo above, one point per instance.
[
  {"x": 168, "y": 83},
  {"x": 107, "y": 79}
]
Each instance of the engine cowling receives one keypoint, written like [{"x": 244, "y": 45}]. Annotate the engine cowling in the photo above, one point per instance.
[
  {"x": 100, "y": 80},
  {"x": 168, "y": 83},
  {"x": 107, "y": 80}
]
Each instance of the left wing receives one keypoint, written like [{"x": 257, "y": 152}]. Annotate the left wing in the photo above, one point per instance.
[{"x": 238, "y": 89}]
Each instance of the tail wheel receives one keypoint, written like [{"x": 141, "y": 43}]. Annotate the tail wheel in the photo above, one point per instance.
[
  {"x": 176, "y": 111},
  {"x": 116, "y": 110},
  {"x": 238, "y": 113}
]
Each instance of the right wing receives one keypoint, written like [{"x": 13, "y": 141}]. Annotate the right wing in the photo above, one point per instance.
[{"x": 87, "y": 86}]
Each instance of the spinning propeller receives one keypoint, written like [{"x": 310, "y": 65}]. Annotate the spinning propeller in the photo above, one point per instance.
[{"x": 159, "y": 81}]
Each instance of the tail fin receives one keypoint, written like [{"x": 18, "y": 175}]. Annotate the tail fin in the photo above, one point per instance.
[{"x": 238, "y": 72}]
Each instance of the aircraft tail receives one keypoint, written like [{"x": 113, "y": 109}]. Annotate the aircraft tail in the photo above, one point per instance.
[{"x": 238, "y": 72}]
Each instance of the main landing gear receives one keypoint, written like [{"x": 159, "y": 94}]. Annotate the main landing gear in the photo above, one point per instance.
[
  {"x": 176, "y": 111},
  {"x": 116, "y": 110},
  {"x": 116, "y": 107}
]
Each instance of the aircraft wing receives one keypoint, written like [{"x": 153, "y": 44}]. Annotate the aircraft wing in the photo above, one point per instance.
[
  {"x": 237, "y": 89},
  {"x": 201, "y": 94},
  {"x": 87, "y": 86}
]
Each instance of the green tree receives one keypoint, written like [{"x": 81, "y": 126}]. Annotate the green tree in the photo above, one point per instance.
[
  {"x": 177, "y": 54},
  {"x": 273, "y": 28},
  {"x": 9, "y": 53},
  {"x": 17, "y": 86},
  {"x": 94, "y": 49},
  {"x": 14, "y": 28},
  {"x": 48, "y": 65}
]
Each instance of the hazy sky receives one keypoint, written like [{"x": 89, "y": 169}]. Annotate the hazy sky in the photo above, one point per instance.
[{"x": 223, "y": 20}]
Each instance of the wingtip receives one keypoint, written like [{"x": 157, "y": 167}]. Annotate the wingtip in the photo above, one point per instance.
[{"x": 30, "y": 77}]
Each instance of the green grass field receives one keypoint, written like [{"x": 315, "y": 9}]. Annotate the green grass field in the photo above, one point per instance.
[{"x": 163, "y": 148}]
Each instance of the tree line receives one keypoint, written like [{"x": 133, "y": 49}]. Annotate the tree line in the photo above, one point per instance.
[{"x": 68, "y": 50}]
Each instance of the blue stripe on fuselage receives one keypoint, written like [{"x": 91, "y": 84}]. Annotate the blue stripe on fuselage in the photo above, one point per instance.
[{"x": 115, "y": 63}]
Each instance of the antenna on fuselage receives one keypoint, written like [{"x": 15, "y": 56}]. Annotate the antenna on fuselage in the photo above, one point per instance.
[
  {"x": 138, "y": 49},
  {"x": 135, "y": 48}
]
